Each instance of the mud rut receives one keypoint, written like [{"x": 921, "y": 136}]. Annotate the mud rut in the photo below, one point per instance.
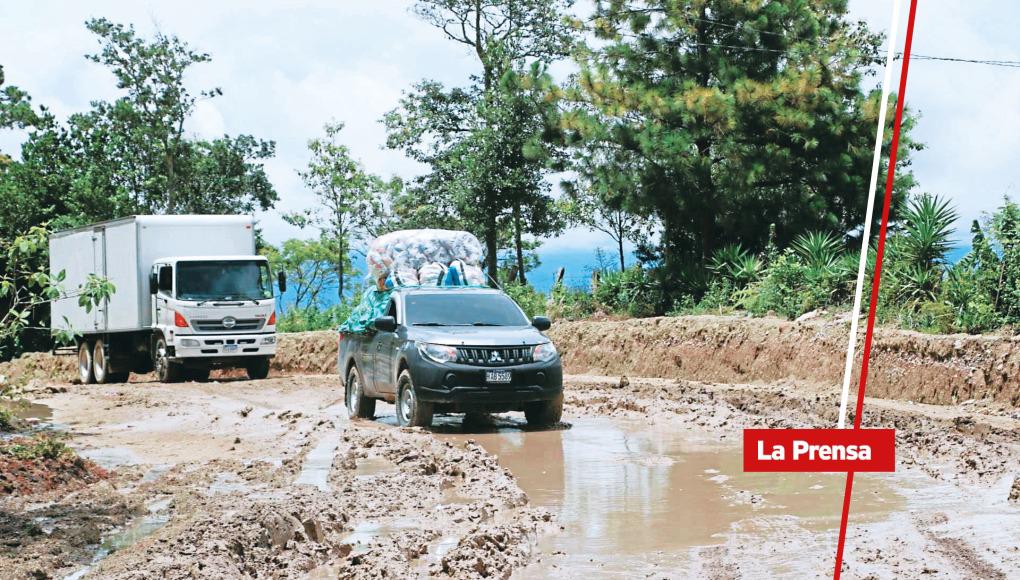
[{"x": 268, "y": 478}]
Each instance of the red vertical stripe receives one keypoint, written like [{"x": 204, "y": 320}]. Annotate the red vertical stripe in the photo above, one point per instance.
[{"x": 869, "y": 334}]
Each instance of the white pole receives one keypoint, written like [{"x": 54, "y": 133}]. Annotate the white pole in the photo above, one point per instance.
[{"x": 869, "y": 212}]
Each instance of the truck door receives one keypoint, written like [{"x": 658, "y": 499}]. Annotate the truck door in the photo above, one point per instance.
[
  {"x": 99, "y": 314},
  {"x": 385, "y": 345}
]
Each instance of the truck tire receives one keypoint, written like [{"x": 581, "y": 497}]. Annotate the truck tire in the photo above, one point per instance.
[
  {"x": 358, "y": 405},
  {"x": 411, "y": 411},
  {"x": 166, "y": 371},
  {"x": 544, "y": 413},
  {"x": 258, "y": 368},
  {"x": 85, "y": 363},
  {"x": 101, "y": 366}
]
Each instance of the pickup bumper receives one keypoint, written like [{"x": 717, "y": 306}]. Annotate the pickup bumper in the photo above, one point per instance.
[
  {"x": 223, "y": 346},
  {"x": 465, "y": 387}
]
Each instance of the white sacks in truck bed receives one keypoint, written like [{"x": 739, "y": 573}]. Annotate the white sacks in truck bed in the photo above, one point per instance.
[{"x": 427, "y": 252}]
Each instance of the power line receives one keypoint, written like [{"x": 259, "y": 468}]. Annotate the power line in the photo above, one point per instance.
[{"x": 989, "y": 62}]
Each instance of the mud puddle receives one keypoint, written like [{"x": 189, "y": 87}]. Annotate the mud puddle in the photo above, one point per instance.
[{"x": 636, "y": 493}]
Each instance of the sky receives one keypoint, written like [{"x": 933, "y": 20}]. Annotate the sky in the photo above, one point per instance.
[{"x": 286, "y": 68}]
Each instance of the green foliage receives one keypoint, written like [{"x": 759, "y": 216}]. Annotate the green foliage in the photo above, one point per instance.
[
  {"x": 818, "y": 250},
  {"x": 532, "y": 302},
  {"x": 310, "y": 266},
  {"x": 313, "y": 318},
  {"x": 485, "y": 144},
  {"x": 634, "y": 291},
  {"x": 7, "y": 420},
  {"x": 350, "y": 201},
  {"x": 570, "y": 303},
  {"x": 36, "y": 448},
  {"x": 742, "y": 114}
]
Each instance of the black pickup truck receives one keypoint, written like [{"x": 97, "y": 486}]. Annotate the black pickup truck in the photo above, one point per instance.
[{"x": 452, "y": 350}]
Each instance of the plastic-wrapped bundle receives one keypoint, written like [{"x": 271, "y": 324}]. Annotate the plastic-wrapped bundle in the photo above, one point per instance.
[
  {"x": 473, "y": 275},
  {"x": 405, "y": 277},
  {"x": 416, "y": 248},
  {"x": 431, "y": 274}
]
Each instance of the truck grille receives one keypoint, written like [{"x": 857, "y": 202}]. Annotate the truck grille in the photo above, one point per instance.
[
  {"x": 240, "y": 325},
  {"x": 498, "y": 356}
]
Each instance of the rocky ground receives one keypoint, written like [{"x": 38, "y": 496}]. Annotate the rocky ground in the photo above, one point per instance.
[{"x": 236, "y": 478}]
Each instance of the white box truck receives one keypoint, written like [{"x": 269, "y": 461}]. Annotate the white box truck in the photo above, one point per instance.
[{"x": 191, "y": 295}]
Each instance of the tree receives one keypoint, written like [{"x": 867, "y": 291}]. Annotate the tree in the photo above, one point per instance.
[
  {"x": 596, "y": 198},
  {"x": 741, "y": 114},
  {"x": 480, "y": 140},
  {"x": 309, "y": 265},
  {"x": 26, "y": 286},
  {"x": 350, "y": 200}
]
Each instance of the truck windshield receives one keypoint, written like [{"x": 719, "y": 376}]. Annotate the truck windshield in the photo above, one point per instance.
[
  {"x": 223, "y": 280},
  {"x": 462, "y": 309}
]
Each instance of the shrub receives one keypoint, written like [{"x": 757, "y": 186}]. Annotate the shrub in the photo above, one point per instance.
[
  {"x": 634, "y": 291},
  {"x": 313, "y": 318},
  {"x": 7, "y": 421},
  {"x": 570, "y": 303},
  {"x": 531, "y": 301}
]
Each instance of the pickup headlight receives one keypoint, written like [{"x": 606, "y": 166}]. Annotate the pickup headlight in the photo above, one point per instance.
[
  {"x": 439, "y": 353},
  {"x": 544, "y": 352}
]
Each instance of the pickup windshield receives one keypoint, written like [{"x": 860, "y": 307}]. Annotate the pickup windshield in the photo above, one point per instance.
[
  {"x": 223, "y": 280},
  {"x": 461, "y": 309}
]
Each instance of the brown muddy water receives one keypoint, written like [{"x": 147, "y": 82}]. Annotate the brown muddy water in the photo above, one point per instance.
[{"x": 628, "y": 493}]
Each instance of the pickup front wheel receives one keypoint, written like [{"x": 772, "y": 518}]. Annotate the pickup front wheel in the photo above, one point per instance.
[
  {"x": 544, "y": 413},
  {"x": 358, "y": 405},
  {"x": 411, "y": 411}
]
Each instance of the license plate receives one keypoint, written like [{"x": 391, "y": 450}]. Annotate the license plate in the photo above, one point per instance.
[
  {"x": 497, "y": 377},
  {"x": 230, "y": 348}
]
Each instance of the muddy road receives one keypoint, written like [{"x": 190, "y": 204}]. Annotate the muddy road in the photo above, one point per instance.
[{"x": 269, "y": 478}]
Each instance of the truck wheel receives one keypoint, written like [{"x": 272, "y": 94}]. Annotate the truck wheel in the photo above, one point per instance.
[
  {"x": 411, "y": 411},
  {"x": 258, "y": 368},
  {"x": 85, "y": 363},
  {"x": 101, "y": 366},
  {"x": 544, "y": 413},
  {"x": 358, "y": 405},
  {"x": 166, "y": 371}
]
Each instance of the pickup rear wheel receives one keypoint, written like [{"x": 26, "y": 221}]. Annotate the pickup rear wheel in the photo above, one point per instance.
[
  {"x": 85, "y": 363},
  {"x": 544, "y": 413},
  {"x": 411, "y": 411},
  {"x": 358, "y": 405}
]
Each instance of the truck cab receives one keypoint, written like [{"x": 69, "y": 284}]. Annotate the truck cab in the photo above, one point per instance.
[
  {"x": 452, "y": 349},
  {"x": 212, "y": 311}
]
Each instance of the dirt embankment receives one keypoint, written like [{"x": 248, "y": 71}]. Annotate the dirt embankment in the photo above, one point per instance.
[{"x": 905, "y": 365}]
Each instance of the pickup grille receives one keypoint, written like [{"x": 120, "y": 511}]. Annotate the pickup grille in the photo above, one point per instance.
[
  {"x": 240, "y": 325},
  {"x": 498, "y": 356}
]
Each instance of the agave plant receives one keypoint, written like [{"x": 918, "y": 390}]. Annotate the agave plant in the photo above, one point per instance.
[
  {"x": 927, "y": 226},
  {"x": 725, "y": 258},
  {"x": 819, "y": 250},
  {"x": 918, "y": 283}
]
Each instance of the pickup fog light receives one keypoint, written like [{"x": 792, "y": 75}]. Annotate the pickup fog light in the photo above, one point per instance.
[
  {"x": 269, "y": 340},
  {"x": 437, "y": 352},
  {"x": 544, "y": 352},
  {"x": 189, "y": 342}
]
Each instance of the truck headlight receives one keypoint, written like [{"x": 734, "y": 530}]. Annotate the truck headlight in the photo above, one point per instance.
[
  {"x": 189, "y": 342},
  {"x": 269, "y": 340},
  {"x": 544, "y": 352},
  {"x": 439, "y": 353}
]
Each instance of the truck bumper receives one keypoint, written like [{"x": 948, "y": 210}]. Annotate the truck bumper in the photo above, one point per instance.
[
  {"x": 224, "y": 346},
  {"x": 464, "y": 387}
]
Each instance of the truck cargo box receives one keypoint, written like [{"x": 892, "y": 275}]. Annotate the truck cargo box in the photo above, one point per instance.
[{"x": 123, "y": 251}]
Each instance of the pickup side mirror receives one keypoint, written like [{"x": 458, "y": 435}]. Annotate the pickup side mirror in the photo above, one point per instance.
[
  {"x": 281, "y": 281},
  {"x": 153, "y": 283},
  {"x": 541, "y": 322},
  {"x": 166, "y": 278},
  {"x": 385, "y": 323}
]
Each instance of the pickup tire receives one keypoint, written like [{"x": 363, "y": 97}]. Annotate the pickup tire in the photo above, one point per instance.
[
  {"x": 411, "y": 411},
  {"x": 166, "y": 371},
  {"x": 85, "y": 374},
  {"x": 358, "y": 405},
  {"x": 544, "y": 413},
  {"x": 258, "y": 368}
]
